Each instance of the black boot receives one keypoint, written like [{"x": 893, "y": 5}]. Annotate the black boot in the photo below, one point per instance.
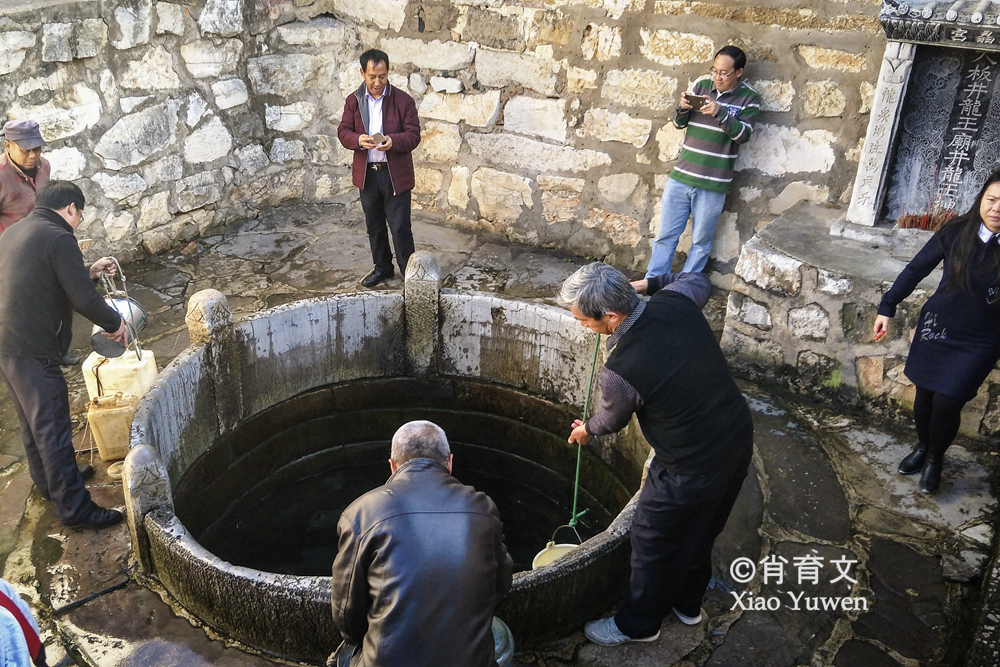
[
  {"x": 931, "y": 478},
  {"x": 913, "y": 462}
]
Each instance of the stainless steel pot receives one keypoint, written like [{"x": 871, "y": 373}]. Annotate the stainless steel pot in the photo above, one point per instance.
[{"x": 135, "y": 317}]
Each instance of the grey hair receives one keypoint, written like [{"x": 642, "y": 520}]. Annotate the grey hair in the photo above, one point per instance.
[
  {"x": 596, "y": 289},
  {"x": 420, "y": 440}
]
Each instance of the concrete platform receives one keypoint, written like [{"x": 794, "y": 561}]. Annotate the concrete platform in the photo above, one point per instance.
[{"x": 823, "y": 486}]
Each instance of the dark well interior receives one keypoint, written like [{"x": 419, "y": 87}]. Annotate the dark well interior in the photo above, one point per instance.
[{"x": 268, "y": 495}]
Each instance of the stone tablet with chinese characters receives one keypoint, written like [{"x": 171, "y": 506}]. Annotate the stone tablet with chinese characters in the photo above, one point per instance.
[{"x": 950, "y": 135}]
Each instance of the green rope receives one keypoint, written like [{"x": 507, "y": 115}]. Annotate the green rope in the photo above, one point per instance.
[{"x": 579, "y": 448}]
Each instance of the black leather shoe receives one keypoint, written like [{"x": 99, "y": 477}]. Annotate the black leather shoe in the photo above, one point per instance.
[
  {"x": 98, "y": 518},
  {"x": 376, "y": 276},
  {"x": 931, "y": 478},
  {"x": 913, "y": 462},
  {"x": 69, "y": 359}
]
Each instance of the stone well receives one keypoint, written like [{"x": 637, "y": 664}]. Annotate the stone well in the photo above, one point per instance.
[{"x": 434, "y": 351}]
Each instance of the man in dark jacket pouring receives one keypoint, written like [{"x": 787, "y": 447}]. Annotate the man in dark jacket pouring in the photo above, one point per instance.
[
  {"x": 421, "y": 563},
  {"x": 42, "y": 281},
  {"x": 380, "y": 125}
]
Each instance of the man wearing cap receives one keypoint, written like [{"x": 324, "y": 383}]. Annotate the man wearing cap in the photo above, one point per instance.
[{"x": 23, "y": 170}]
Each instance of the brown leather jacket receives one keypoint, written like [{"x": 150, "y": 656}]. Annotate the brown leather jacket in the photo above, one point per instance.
[{"x": 420, "y": 568}]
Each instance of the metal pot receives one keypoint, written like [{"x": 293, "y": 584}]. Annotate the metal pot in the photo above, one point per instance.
[{"x": 135, "y": 317}]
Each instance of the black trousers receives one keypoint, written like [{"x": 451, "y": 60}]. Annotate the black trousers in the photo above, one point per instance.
[
  {"x": 937, "y": 418},
  {"x": 40, "y": 396},
  {"x": 674, "y": 528},
  {"x": 382, "y": 208}
]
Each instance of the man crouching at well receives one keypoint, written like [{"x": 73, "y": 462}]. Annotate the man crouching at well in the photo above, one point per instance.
[
  {"x": 667, "y": 369},
  {"x": 421, "y": 563}
]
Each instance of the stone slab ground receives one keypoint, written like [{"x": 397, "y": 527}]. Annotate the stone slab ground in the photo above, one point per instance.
[{"x": 821, "y": 491}]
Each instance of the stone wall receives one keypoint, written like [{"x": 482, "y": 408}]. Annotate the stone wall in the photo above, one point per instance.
[{"x": 546, "y": 122}]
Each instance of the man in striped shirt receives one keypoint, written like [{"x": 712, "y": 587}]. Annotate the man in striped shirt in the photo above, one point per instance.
[{"x": 704, "y": 171}]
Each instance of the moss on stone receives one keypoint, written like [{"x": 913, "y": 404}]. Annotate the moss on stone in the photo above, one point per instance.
[{"x": 834, "y": 381}]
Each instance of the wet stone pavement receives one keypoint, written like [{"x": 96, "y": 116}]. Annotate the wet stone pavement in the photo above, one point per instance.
[{"x": 840, "y": 561}]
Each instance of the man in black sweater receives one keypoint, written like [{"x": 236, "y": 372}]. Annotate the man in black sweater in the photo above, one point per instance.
[
  {"x": 43, "y": 279},
  {"x": 667, "y": 369}
]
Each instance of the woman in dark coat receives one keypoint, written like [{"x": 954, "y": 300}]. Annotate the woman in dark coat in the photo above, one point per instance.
[{"x": 957, "y": 340}]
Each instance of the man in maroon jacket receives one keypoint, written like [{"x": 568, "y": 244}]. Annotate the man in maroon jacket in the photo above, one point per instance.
[
  {"x": 23, "y": 170},
  {"x": 380, "y": 125}
]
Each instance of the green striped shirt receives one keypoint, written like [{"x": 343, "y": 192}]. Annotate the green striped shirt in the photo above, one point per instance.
[{"x": 711, "y": 143}]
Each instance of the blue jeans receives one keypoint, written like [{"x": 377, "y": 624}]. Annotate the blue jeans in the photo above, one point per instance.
[{"x": 681, "y": 202}]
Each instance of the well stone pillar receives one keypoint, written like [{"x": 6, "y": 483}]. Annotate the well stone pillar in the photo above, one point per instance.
[
  {"x": 210, "y": 321},
  {"x": 420, "y": 294}
]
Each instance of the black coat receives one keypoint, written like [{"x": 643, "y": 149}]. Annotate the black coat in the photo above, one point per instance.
[
  {"x": 421, "y": 565},
  {"x": 957, "y": 340},
  {"x": 43, "y": 279}
]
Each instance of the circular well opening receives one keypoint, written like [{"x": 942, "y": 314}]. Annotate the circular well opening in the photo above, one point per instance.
[{"x": 268, "y": 495}]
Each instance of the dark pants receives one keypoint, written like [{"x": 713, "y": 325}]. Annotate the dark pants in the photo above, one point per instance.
[
  {"x": 937, "y": 418},
  {"x": 383, "y": 207},
  {"x": 675, "y": 525},
  {"x": 40, "y": 396}
]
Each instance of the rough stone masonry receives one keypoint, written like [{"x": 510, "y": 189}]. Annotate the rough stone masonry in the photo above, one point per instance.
[{"x": 545, "y": 121}]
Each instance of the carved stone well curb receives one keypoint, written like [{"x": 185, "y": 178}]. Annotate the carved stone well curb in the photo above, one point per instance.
[{"x": 234, "y": 371}]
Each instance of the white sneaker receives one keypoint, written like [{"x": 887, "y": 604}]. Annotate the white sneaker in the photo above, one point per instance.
[
  {"x": 605, "y": 632},
  {"x": 688, "y": 620}
]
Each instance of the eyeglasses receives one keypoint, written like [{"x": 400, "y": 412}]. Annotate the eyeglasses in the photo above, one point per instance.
[{"x": 716, "y": 74}]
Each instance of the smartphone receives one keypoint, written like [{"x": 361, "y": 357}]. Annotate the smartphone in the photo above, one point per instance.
[
  {"x": 378, "y": 138},
  {"x": 696, "y": 101}
]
